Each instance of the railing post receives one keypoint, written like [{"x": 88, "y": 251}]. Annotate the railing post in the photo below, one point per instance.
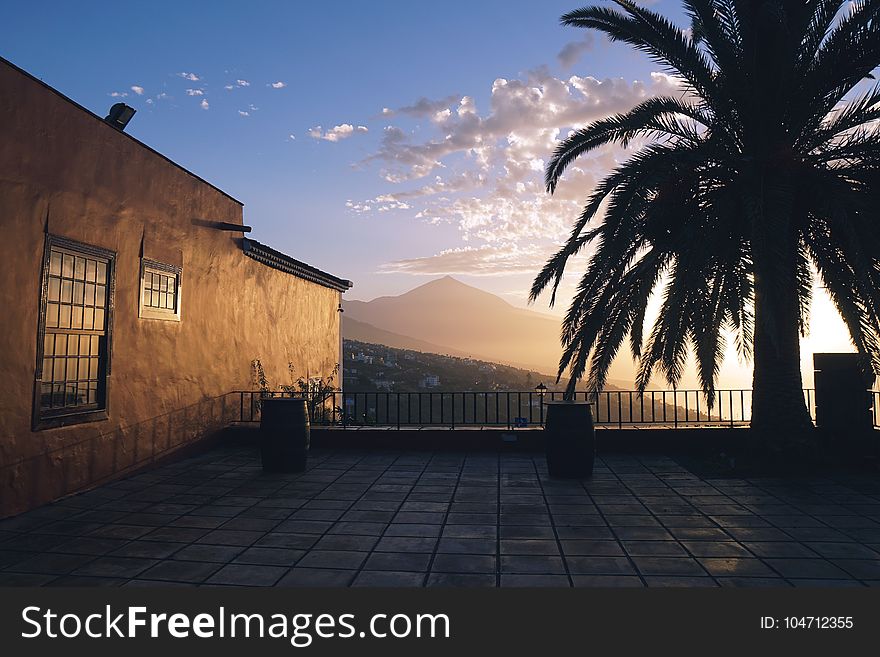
[
  {"x": 731, "y": 408},
  {"x": 675, "y": 407},
  {"x": 876, "y": 398}
]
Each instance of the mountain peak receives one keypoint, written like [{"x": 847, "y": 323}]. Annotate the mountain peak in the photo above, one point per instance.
[
  {"x": 461, "y": 319},
  {"x": 446, "y": 280},
  {"x": 449, "y": 289}
]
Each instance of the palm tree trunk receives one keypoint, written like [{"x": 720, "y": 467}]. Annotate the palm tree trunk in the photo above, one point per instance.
[{"x": 780, "y": 417}]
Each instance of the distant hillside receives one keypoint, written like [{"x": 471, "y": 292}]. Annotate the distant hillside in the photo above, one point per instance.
[
  {"x": 374, "y": 368},
  {"x": 459, "y": 319},
  {"x": 353, "y": 329},
  {"x": 370, "y": 367}
]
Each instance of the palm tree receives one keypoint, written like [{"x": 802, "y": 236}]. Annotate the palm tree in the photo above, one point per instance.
[{"x": 762, "y": 173}]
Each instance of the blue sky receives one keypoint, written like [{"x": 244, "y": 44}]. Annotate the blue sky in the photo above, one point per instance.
[
  {"x": 386, "y": 142},
  {"x": 339, "y": 67}
]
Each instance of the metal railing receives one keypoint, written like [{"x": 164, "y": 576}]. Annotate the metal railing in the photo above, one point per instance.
[
  {"x": 875, "y": 407},
  {"x": 521, "y": 409}
]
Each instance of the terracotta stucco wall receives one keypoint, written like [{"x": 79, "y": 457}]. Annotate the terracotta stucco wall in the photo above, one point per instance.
[{"x": 63, "y": 171}]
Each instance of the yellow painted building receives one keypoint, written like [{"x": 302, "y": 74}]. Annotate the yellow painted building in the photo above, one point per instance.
[{"x": 132, "y": 301}]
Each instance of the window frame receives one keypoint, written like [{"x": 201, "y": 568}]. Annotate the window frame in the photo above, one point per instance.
[
  {"x": 40, "y": 419},
  {"x": 150, "y": 312}
]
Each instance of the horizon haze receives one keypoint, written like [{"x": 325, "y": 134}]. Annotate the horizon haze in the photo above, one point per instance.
[{"x": 448, "y": 316}]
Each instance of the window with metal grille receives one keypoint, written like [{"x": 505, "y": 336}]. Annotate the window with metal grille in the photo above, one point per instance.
[
  {"x": 160, "y": 291},
  {"x": 73, "y": 347}
]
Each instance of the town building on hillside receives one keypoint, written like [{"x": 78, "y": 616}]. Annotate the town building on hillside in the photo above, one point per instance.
[
  {"x": 133, "y": 301},
  {"x": 429, "y": 381}
]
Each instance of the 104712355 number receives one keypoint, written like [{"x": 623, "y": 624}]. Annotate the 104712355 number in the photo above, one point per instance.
[{"x": 812, "y": 622}]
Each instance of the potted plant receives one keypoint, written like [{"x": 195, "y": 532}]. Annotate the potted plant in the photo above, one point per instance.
[{"x": 285, "y": 427}]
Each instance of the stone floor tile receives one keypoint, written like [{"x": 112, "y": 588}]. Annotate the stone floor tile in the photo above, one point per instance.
[
  {"x": 534, "y": 580},
  {"x": 668, "y": 566},
  {"x": 463, "y": 563},
  {"x": 529, "y": 546},
  {"x": 247, "y": 575},
  {"x": 265, "y": 556},
  {"x": 180, "y": 571},
  {"x": 806, "y": 569},
  {"x": 736, "y": 567},
  {"x": 460, "y": 580},
  {"x": 606, "y": 581},
  {"x": 336, "y": 559},
  {"x": 401, "y": 561},
  {"x": 406, "y": 544},
  {"x": 388, "y": 578},
  {"x": 599, "y": 565},
  {"x": 317, "y": 577}
]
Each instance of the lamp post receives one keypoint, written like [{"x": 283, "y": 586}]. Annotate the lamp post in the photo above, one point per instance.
[{"x": 541, "y": 389}]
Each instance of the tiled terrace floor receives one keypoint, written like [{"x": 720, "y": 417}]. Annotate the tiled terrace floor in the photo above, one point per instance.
[{"x": 448, "y": 519}]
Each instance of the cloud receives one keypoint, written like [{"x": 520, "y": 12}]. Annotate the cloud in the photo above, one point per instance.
[
  {"x": 160, "y": 96},
  {"x": 424, "y": 107},
  {"x": 204, "y": 104},
  {"x": 195, "y": 92},
  {"x": 118, "y": 94},
  {"x": 237, "y": 84},
  {"x": 464, "y": 181},
  {"x": 382, "y": 203},
  {"x": 192, "y": 77},
  {"x": 525, "y": 113},
  {"x": 138, "y": 90},
  {"x": 480, "y": 169},
  {"x": 336, "y": 133},
  {"x": 571, "y": 52},
  {"x": 243, "y": 113},
  {"x": 485, "y": 260},
  {"x": 278, "y": 85}
]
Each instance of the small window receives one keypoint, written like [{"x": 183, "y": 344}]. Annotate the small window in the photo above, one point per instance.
[
  {"x": 73, "y": 342},
  {"x": 160, "y": 291}
]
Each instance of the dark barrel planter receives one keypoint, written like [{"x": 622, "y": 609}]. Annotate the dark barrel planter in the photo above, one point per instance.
[
  {"x": 284, "y": 434},
  {"x": 570, "y": 439}
]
